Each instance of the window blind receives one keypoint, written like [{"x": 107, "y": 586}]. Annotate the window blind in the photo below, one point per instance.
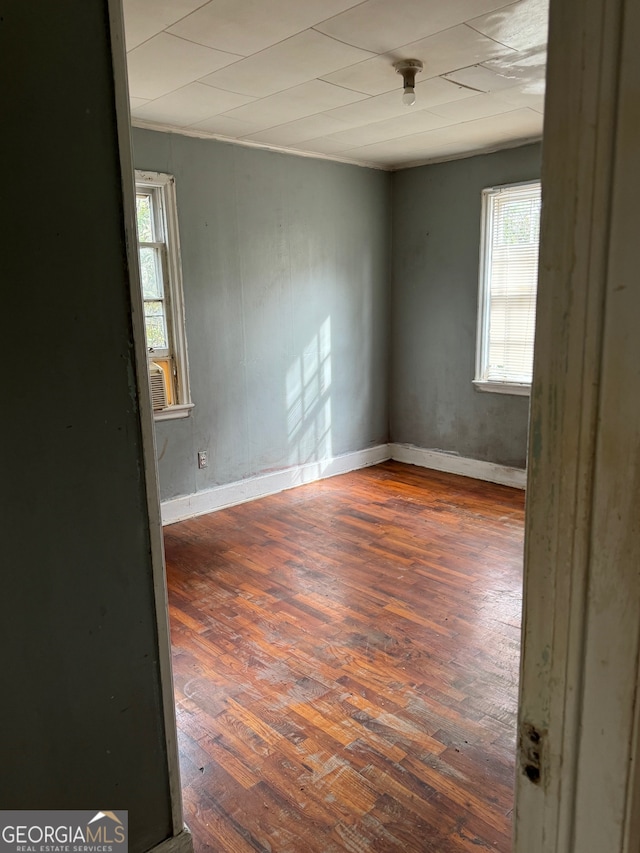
[{"x": 511, "y": 276}]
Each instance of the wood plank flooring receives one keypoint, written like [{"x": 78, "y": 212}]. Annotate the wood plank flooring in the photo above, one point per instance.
[{"x": 346, "y": 663}]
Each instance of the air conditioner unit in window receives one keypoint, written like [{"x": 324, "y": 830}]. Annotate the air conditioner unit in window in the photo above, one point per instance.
[{"x": 158, "y": 387}]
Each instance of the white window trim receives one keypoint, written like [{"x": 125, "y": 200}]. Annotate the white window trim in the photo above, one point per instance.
[
  {"x": 174, "y": 413},
  {"x": 521, "y": 389},
  {"x": 166, "y": 184}
]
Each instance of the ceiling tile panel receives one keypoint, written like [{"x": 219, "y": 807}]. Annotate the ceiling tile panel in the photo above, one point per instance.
[
  {"x": 137, "y": 102},
  {"x": 394, "y": 128},
  {"x": 323, "y": 145},
  {"x": 389, "y": 152},
  {"x": 453, "y": 140},
  {"x": 449, "y": 50},
  {"x": 299, "y": 102},
  {"x": 303, "y": 57},
  {"x": 146, "y": 18},
  {"x": 165, "y": 63},
  {"x": 481, "y": 79},
  {"x": 224, "y": 126},
  {"x": 522, "y": 25},
  {"x": 380, "y": 107},
  {"x": 189, "y": 105},
  {"x": 511, "y": 126},
  {"x": 526, "y": 66},
  {"x": 479, "y": 106},
  {"x": 524, "y": 95},
  {"x": 310, "y": 127},
  {"x": 248, "y": 26},
  {"x": 382, "y": 26}
]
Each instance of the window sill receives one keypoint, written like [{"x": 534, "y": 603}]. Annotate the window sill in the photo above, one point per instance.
[
  {"x": 518, "y": 389},
  {"x": 173, "y": 413}
]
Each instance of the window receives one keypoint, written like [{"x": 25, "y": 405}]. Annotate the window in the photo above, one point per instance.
[
  {"x": 161, "y": 279},
  {"x": 508, "y": 285}
]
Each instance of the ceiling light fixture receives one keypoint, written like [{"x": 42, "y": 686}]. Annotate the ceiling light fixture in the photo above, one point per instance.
[{"x": 408, "y": 68}]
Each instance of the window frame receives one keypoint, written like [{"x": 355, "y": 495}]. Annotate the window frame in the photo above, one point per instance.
[
  {"x": 482, "y": 335},
  {"x": 161, "y": 187}
]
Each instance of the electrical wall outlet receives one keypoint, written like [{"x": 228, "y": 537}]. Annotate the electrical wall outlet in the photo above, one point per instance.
[{"x": 203, "y": 458}]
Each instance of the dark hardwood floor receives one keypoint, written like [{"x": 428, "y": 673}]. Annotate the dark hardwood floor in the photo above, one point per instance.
[{"x": 346, "y": 663}]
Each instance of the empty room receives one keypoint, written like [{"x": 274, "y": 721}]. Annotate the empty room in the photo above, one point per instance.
[
  {"x": 321, "y": 510},
  {"x": 331, "y": 209}
]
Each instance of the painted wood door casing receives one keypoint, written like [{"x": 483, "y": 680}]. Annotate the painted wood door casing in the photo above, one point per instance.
[
  {"x": 181, "y": 840},
  {"x": 582, "y": 605},
  {"x": 607, "y": 791}
]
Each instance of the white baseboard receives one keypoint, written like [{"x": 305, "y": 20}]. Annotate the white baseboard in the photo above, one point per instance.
[
  {"x": 230, "y": 494},
  {"x": 180, "y": 843},
  {"x": 438, "y": 460}
]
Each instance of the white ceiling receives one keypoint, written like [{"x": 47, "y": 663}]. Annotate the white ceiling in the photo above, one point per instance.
[{"x": 317, "y": 76}]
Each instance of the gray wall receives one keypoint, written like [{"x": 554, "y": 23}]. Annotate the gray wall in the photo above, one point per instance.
[
  {"x": 286, "y": 264},
  {"x": 80, "y": 717},
  {"x": 436, "y": 236}
]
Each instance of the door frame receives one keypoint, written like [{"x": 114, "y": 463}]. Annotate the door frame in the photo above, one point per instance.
[
  {"x": 577, "y": 776},
  {"x": 181, "y": 841}
]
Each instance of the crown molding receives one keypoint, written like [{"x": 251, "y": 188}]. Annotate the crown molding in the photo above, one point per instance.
[
  {"x": 280, "y": 149},
  {"x": 247, "y": 143},
  {"x": 464, "y": 155}
]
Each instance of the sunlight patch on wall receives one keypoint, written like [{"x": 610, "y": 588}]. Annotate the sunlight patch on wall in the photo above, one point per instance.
[{"x": 309, "y": 401}]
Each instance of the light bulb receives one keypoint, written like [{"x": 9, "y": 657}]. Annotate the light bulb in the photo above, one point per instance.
[
  {"x": 409, "y": 96},
  {"x": 408, "y": 68}
]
